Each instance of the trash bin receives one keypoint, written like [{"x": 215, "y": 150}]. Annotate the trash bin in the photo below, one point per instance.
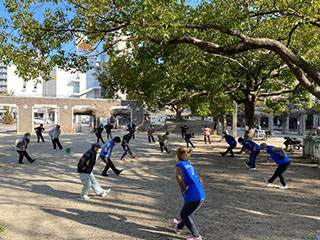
[{"x": 68, "y": 150}]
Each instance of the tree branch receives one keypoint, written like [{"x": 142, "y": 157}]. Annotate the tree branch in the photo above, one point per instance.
[{"x": 279, "y": 93}]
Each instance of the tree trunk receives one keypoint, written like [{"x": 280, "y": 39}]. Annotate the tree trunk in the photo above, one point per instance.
[
  {"x": 249, "y": 108},
  {"x": 223, "y": 119},
  {"x": 215, "y": 123},
  {"x": 178, "y": 111}
]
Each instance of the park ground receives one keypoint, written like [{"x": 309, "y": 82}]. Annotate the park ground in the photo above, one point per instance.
[{"x": 41, "y": 200}]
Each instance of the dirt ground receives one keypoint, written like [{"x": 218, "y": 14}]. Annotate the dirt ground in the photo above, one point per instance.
[{"x": 41, "y": 200}]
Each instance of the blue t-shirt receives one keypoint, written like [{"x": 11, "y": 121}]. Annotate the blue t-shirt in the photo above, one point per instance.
[
  {"x": 106, "y": 150},
  {"x": 277, "y": 156},
  {"x": 191, "y": 179},
  {"x": 230, "y": 140},
  {"x": 250, "y": 145}
]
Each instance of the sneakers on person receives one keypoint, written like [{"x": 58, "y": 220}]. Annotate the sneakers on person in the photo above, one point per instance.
[
  {"x": 245, "y": 163},
  {"x": 104, "y": 174},
  {"x": 252, "y": 169},
  {"x": 54, "y": 150},
  {"x": 105, "y": 193},
  {"x": 194, "y": 238},
  {"x": 85, "y": 197},
  {"x": 175, "y": 223},
  {"x": 283, "y": 187},
  {"x": 33, "y": 160},
  {"x": 135, "y": 156},
  {"x": 267, "y": 182},
  {"x": 222, "y": 154},
  {"x": 123, "y": 159},
  {"x": 120, "y": 171},
  {"x": 21, "y": 162}
]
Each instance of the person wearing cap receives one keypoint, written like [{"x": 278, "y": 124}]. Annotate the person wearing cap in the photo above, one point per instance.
[
  {"x": 98, "y": 132},
  {"x": 162, "y": 141},
  {"x": 39, "y": 130},
  {"x": 125, "y": 145},
  {"x": 105, "y": 155},
  {"x": 85, "y": 167},
  {"x": 21, "y": 148},
  {"x": 282, "y": 159},
  {"x": 254, "y": 148},
  {"x": 54, "y": 133},
  {"x": 192, "y": 191},
  {"x": 206, "y": 134},
  {"x": 231, "y": 141}
]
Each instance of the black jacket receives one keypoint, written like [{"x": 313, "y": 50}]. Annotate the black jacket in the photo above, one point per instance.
[
  {"x": 39, "y": 129},
  {"x": 126, "y": 138},
  {"x": 87, "y": 162},
  {"x": 99, "y": 131}
]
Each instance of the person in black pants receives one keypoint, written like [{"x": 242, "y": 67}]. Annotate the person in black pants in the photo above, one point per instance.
[
  {"x": 108, "y": 128},
  {"x": 132, "y": 128},
  {"x": 125, "y": 145},
  {"x": 21, "y": 148},
  {"x": 188, "y": 137},
  {"x": 54, "y": 133},
  {"x": 232, "y": 144},
  {"x": 151, "y": 131},
  {"x": 184, "y": 130},
  {"x": 98, "y": 132},
  {"x": 105, "y": 155},
  {"x": 39, "y": 130}
]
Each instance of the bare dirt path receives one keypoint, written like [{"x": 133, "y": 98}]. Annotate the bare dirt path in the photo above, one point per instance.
[{"x": 41, "y": 200}]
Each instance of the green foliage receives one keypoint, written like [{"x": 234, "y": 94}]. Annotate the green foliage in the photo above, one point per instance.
[{"x": 2, "y": 228}]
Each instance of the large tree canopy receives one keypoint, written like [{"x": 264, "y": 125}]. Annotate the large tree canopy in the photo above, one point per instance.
[{"x": 34, "y": 35}]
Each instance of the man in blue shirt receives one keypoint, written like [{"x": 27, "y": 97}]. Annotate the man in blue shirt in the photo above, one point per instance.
[
  {"x": 105, "y": 155},
  {"x": 231, "y": 141},
  {"x": 192, "y": 191},
  {"x": 254, "y": 149},
  {"x": 281, "y": 159}
]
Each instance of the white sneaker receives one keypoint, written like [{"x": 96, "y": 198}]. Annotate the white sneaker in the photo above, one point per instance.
[
  {"x": 267, "y": 182},
  {"x": 175, "y": 223},
  {"x": 105, "y": 193},
  {"x": 194, "y": 238},
  {"x": 252, "y": 169},
  {"x": 85, "y": 197},
  {"x": 245, "y": 163},
  {"x": 283, "y": 187}
]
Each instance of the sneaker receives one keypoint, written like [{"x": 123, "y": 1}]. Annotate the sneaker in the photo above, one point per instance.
[
  {"x": 223, "y": 154},
  {"x": 267, "y": 182},
  {"x": 33, "y": 160},
  {"x": 283, "y": 187},
  {"x": 194, "y": 238},
  {"x": 251, "y": 168},
  {"x": 85, "y": 197},
  {"x": 104, "y": 174},
  {"x": 105, "y": 193},
  {"x": 123, "y": 159},
  {"x": 135, "y": 156},
  {"x": 245, "y": 163},
  {"x": 21, "y": 162},
  {"x": 54, "y": 150},
  {"x": 232, "y": 156},
  {"x": 175, "y": 223},
  {"x": 120, "y": 171}
]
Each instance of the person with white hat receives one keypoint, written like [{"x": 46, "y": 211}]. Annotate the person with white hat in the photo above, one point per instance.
[
  {"x": 282, "y": 160},
  {"x": 193, "y": 193}
]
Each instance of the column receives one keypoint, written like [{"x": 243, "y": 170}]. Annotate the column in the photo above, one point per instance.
[
  {"x": 302, "y": 124},
  {"x": 270, "y": 123},
  {"x": 66, "y": 118},
  {"x": 315, "y": 121},
  {"x": 287, "y": 124},
  {"x": 25, "y": 118}
]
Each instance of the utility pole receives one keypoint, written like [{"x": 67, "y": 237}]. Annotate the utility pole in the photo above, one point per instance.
[{"x": 234, "y": 119}]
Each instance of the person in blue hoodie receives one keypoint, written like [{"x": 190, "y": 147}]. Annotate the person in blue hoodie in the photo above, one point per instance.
[
  {"x": 254, "y": 148},
  {"x": 192, "y": 191},
  {"x": 105, "y": 155},
  {"x": 282, "y": 159},
  {"x": 232, "y": 144}
]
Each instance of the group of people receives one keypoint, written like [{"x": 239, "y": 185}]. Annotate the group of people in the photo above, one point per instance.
[
  {"x": 98, "y": 131},
  {"x": 188, "y": 179}
]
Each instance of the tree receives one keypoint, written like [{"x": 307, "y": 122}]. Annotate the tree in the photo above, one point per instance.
[
  {"x": 8, "y": 118},
  {"x": 229, "y": 27}
]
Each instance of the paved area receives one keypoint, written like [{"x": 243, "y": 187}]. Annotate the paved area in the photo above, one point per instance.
[{"x": 41, "y": 200}]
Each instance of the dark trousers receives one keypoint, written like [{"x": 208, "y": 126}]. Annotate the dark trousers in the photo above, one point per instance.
[
  {"x": 279, "y": 173},
  {"x": 230, "y": 149},
  {"x": 188, "y": 141},
  {"x": 183, "y": 134},
  {"x": 24, "y": 154},
  {"x": 164, "y": 147},
  {"x": 109, "y": 134},
  {"x": 253, "y": 156},
  {"x": 188, "y": 210},
  {"x": 56, "y": 142},
  {"x": 39, "y": 135},
  {"x": 109, "y": 164},
  {"x": 126, "y": 149},
  {"x": 205, "y": 138},
  {"x": 151, "y": 138},
  {"x": 99, "y": 137}
]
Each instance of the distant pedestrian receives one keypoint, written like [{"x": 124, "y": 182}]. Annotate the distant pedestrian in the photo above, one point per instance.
[
  {"x": 254, "y": 148},
  {"x": 85, "y": 167},
  {"x": 188, "y": 137},
  {"x": 132, "y": 128},
  {"x": 150, "y": 132},
  {"x": 162, "y": 141},
  {"x": 54, "y": 133},
  {"x": 192, "y": 191},
  {"x": 21, "y": 148},
  {"x": 98, "y": 132},
  {"x": 184, "y": 130},
  {"x": 125, "y": 145},
  {"x": 108, "y": 128},
  {"x": 105, "y": 155},
  {"x": 39, "y": 130},
  {"x": 232, "y": 144},
  {"x": 206, "y": 134},
  {"x": 282, "y": 159}
]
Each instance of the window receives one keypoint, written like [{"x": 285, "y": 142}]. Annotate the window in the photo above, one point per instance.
[
  {"x": 35, "y": 87},
  {"x": 24, "y": 87}
]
